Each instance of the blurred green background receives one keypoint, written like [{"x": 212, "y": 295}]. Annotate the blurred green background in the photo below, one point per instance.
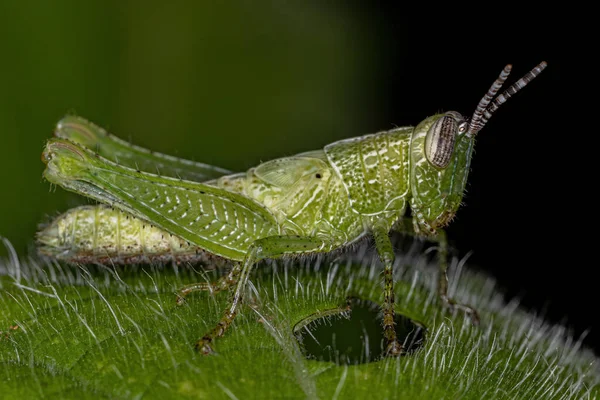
[{"x": 230, "y": 84}]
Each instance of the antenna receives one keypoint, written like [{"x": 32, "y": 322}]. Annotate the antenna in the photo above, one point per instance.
[{"x": 488, "y": 105}]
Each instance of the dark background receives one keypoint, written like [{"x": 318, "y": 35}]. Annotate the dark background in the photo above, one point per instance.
[{"x": 237, "y": 84}]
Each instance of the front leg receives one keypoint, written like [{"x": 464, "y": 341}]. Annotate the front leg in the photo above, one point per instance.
[
  {"x": 269, "y": 247},
  {"x": 407, "y": 226},
  {"x": 451, "y": 304}
]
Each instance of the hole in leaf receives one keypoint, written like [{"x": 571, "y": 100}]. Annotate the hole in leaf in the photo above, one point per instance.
[{"x": 354, "y": 334}]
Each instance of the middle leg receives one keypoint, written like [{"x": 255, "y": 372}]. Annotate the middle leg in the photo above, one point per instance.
[{"x": 385, "y": 251}]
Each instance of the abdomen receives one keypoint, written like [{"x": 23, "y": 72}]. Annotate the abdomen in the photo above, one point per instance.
[{"x": 103, "y": 235}]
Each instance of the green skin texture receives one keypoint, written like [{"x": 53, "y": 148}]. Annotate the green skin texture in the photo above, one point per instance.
[
  {"x": 314, "y": 202},
  {"x": 99, "y": 234}
]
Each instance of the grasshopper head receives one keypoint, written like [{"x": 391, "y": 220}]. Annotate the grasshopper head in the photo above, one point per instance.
[
  {"x": 441, "y": 150},
  {"x": 441, "y": 153}
]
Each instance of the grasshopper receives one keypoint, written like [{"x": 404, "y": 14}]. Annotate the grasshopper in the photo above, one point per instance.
[{"x": 313, "y": 202}]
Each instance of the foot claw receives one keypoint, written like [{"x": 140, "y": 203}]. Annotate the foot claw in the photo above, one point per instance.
[
  {"x": 180, "y": 300},
  {"x": 452, "y": 305},
  {"x": 472, "y": 314},
  {"x": 394, "y": 349},
  {"x": 203, "y": 347}
]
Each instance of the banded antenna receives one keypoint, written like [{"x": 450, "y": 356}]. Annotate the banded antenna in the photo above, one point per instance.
[{"x": 488, "y": 105}]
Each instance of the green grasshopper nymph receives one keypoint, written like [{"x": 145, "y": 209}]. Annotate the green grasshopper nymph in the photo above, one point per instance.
[{"x": 313, "y": 202}]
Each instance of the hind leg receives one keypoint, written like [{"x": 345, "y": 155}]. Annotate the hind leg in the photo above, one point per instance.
[
  {"x": 224, "y": 283},
  {"x": 269, "y": 247}
]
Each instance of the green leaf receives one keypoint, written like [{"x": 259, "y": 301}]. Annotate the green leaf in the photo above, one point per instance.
[{"x": 116, "y": 332}]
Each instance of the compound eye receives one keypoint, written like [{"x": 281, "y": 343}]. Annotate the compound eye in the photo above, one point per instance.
[{"x": 440, "y": 140}]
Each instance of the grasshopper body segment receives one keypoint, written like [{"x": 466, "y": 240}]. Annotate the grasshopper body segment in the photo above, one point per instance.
[
  {"x": 104, "y": 235},
  {"x": 309, "y": 203},
  {"x": 374, "y": 169}
]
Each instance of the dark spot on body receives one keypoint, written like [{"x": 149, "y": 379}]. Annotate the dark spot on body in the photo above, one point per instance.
[{"x": 318, "y": 176}]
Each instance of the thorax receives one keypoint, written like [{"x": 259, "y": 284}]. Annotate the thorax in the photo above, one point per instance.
[{"x": 335, "y": 193}]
